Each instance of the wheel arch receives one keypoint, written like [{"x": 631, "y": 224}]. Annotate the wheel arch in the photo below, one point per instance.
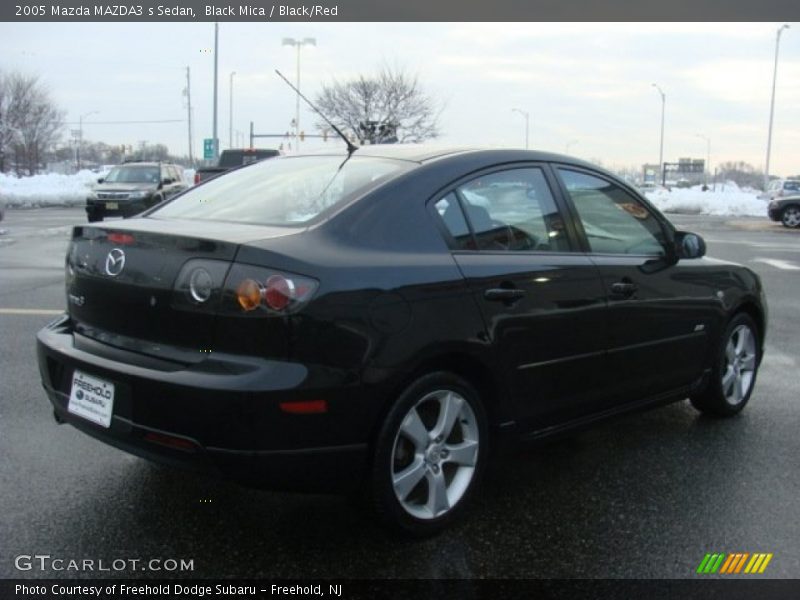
[{"x": 469, "y": 367}]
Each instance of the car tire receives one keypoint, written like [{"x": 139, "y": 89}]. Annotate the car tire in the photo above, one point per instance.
[
  {"x": 93, "y": 217},
  {"x": 790, "y": 216},
  {"x": 429, "y": 455},
  {"x": 733, "y": 375}
]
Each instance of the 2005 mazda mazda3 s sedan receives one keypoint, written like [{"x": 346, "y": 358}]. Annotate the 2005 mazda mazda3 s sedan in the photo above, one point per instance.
[{"x": 380, "y": 320}]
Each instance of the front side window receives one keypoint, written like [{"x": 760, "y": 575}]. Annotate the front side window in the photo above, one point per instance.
[
  {"x": 615, "y": 222},
  {"x": 506, "y": 210}
]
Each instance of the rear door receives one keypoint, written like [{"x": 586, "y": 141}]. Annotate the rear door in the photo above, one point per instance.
[
  {"x": 542, "y": 302},
  {"x": 660, "y": 312}
]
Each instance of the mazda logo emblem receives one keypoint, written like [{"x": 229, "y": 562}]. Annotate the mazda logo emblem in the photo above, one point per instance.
[{"x": 115, "y": 262}]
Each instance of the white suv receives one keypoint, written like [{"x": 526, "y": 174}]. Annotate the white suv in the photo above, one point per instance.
[{"x": 781, "y": 187}]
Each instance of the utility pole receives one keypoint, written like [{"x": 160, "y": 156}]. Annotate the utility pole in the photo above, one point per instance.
[
  {"x": 216, "y": 64},
  {"x": 189, "y": 109},
  {"x": 661, "y": 144}
]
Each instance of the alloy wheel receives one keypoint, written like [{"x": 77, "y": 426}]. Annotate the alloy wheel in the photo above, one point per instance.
[
  {"x": 740, "y": 364},
  {"x": 434, "y": 455},
  {"x": 791, "y": 217}
]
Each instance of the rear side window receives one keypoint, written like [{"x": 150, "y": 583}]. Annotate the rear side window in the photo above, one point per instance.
[{"x": 510, "y": 210}]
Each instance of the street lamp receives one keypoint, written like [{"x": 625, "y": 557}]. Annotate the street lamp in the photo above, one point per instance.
[
  {"x": 708, "y": 154},
  {"x": 527, "y": 122},
  {"x": 230, "y": 120},
  {"x": 298, "y": 43},
  {"x": 661, "y": 145},
  {"x": 80, "y": 137},
  {"x": 772, "y": 104}
]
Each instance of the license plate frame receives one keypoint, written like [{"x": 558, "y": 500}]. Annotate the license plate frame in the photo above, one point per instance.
[
  {"x": 112, "y": 205},
  {"x": 91, "y": 398}
]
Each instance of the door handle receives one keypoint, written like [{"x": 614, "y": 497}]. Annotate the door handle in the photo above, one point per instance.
[
  {"x": 503, "y": 294},
  {"x": 623, "y": 289}
]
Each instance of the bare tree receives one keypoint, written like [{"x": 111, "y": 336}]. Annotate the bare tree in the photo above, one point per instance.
[
  {"x": 30, "y": 123},
  {"x": 387, "y": 108}
]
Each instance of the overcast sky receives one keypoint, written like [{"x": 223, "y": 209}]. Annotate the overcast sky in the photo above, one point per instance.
[{"x": 587, "y": 86}]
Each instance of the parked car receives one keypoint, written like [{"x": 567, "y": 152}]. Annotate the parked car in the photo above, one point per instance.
[
  {"x": 382, "y": 320},
  {"x": 786, "y": 210},
  {"x": 778, "y": 188},
  {"x": 132, "y": 187},
  {"x": 230, "y": 159}
]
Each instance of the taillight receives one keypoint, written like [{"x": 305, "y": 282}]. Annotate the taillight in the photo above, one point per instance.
[
  {"x": 255, "y": 289},
  {"x": 198, "y": 286}
]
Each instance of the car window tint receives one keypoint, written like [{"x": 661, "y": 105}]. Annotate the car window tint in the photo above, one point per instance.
[
  {"x": 514, "y": 210},
  {"x": 614, "y": 221},
  {"x": 453, "y": 218}
]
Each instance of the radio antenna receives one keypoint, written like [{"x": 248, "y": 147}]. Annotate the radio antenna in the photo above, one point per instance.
[{"x": 351, "y": 147}]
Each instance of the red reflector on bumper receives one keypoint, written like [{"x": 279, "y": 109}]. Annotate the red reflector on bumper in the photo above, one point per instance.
[
  {"x": 120, "y": 238},
  {"x": 170, "y": 441},
  {"x": 305, "y": 407}
]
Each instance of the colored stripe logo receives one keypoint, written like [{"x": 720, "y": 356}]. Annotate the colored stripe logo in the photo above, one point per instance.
[{"x": 734, "y": 564}]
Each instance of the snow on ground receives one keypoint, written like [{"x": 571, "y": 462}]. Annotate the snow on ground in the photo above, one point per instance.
[
  {"x": 49, "y": 189},
  {"x": 727, "y": 201},
  {"x": 52, "y": 189},
  {"x": 71, "y": 190}
]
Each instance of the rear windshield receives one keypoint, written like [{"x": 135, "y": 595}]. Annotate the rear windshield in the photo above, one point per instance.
[
  {"x": 132, "y": 175},
  {"x": 282, "y": 191}
]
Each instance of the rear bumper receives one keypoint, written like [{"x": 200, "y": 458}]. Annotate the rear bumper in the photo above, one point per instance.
[{"x": 217, "y": 416}]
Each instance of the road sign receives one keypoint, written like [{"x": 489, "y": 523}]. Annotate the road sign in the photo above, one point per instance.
[{"x": 209, "y": 148}]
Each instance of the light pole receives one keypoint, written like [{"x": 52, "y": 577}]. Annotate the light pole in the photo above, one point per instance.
[
  {"x": 661, "y": 145},
  {"x": 80, "y": 137},
  {"x": 708, "y": 154},
  {"x": 527, "y": 123},
  {"x": 298, "y": 43},
  {"x": 230, "y": 119},
  {"x": 772, "y": 104},
  {"x": 216, "y": 64}
]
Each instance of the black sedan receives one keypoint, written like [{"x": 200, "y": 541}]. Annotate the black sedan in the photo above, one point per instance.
[
  {"x": 786, "y": 211},
  {"x": 381, "y": 320}
]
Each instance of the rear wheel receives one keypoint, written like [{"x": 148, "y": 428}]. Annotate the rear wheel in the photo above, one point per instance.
[
  {"x": 429, "y": 455},
  {"x": 735, "y": 370},
  {"x": 790, "y": 217}
]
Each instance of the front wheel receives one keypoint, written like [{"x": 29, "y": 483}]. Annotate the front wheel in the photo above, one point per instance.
[
  {"x": 429, "y": 454},
  {"x": 734, "y": 374},
  {"x": 790, "y": 217}
]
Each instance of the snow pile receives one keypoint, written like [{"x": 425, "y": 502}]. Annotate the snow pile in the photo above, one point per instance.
[
  {"x": 52, "y": 189},
  {"x": 49, "y": 189},
  {"x": 727, "y": 201}
]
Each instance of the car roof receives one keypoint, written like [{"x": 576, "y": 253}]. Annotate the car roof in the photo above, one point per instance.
[{"x": 422, "y": 153}]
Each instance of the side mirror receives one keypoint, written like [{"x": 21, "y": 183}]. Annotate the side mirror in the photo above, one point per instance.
[
  {"x": 689, "y": 245},
  {"x": 101, "y": 180}
]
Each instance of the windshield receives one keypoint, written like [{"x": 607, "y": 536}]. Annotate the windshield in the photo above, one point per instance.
[
  {"x": 132, "y": 175},
  {"x": 282, "y": 191}
]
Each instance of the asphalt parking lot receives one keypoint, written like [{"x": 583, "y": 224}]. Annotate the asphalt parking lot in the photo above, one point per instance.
[{"x": 645, "y": 496}]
